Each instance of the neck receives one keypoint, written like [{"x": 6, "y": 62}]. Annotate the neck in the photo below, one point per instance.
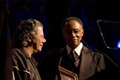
[{"x": 29, "y": 50}]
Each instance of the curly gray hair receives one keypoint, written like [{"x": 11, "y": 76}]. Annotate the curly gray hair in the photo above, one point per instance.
[{"x": 26, "y": 28}]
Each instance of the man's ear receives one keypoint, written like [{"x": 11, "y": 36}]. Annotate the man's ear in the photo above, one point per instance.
[
  {"x": 63, "y": 32},
  {"x": 29, "y": 39},
  {"x": 83, "y": 32}
]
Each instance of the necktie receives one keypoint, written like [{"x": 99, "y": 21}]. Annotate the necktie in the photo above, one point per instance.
[{"x": 74, "y": 58}]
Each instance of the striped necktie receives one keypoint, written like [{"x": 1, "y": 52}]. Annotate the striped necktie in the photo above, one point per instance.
[{"x": 73, "y": 56}]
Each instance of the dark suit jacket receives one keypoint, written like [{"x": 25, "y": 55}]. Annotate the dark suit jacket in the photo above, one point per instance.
[
  {"x": 91, "y": 62},
  {"x": 24, "y": 67}
]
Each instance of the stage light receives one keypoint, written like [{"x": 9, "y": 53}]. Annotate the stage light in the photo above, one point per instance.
[{"x": 118, "y": 44}]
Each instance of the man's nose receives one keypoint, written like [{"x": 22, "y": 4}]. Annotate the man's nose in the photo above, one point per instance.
[
  {"x": 44, "y": 40},
  {"x": 73, "y": 34}
]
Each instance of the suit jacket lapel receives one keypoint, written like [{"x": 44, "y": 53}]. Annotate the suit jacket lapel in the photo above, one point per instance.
[
  {"x": 85, "y": 62},
  {"x": 65, "y": 61}
]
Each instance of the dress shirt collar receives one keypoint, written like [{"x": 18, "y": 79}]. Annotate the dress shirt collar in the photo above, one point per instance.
[{"x": 77, "y": 49}]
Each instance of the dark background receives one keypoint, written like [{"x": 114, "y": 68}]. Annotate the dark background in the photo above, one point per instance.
[{"x": 51, "y": 13}]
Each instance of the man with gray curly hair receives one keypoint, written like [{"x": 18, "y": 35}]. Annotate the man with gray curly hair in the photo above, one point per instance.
[{"x": 28, "y": 40}]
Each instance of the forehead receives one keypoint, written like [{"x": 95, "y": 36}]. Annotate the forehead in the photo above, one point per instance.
[
  {"x": 40, "y": 30},
  {"x": 73, "y": 24}
]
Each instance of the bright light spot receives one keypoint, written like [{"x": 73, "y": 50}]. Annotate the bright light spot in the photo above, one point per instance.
[{"x": 118, "y": 44}]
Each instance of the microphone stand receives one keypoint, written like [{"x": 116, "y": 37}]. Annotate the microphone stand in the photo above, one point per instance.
[{"x": 116, "y": 65}]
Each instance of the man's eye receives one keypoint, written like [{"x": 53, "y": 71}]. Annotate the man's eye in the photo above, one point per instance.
[
  {"x": 76, "y": 31},
  {"x": 42, "y": 36}
]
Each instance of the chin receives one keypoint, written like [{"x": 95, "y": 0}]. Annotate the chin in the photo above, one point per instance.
[
  {"x": 40, "y": 49},
  {"x": 74, "y": 45}
]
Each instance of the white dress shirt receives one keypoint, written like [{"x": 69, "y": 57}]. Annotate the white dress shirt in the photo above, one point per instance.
[{"x": 77, "y": 49}]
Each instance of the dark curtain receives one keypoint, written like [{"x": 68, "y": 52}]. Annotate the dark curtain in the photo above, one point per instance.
[{"x": 5, "y": 42}]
